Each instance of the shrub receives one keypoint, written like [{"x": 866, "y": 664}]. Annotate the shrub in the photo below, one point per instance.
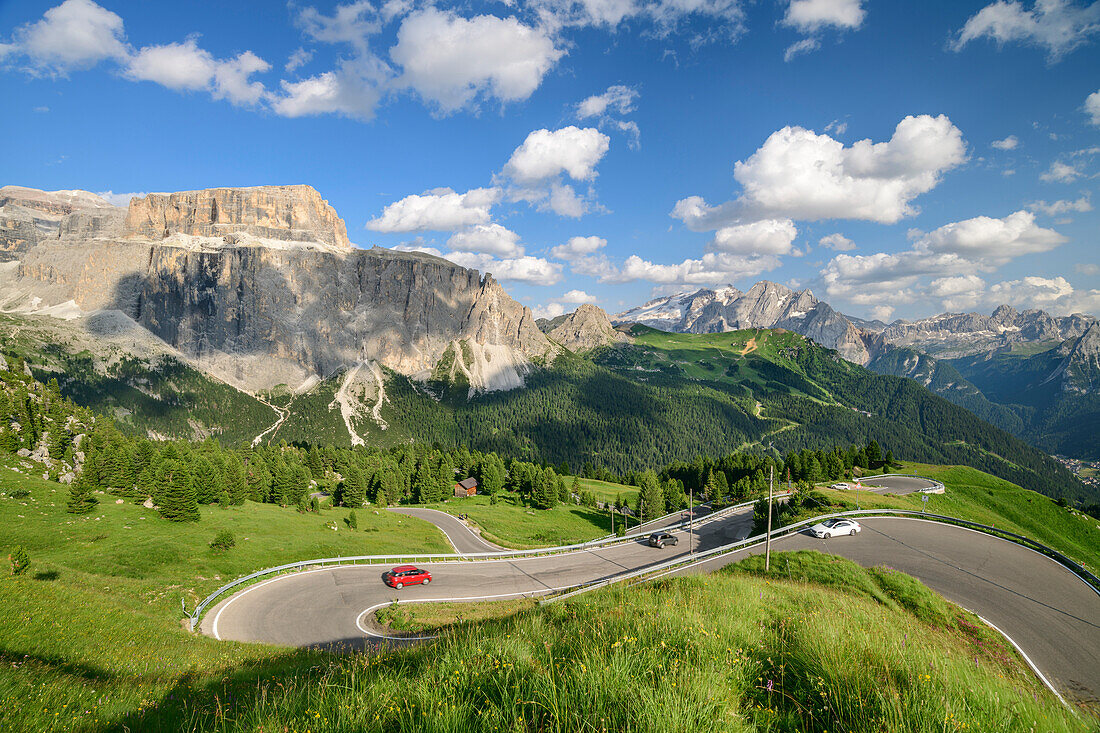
[
  {"x": 223, "y": 540},
  {"x": 20, "y": 494},
  {"x": 20, "y": 560},
  {"x": 352, "y": 521}
]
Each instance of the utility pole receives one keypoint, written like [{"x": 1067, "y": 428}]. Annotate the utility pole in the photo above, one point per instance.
[
  {"x": 768, "y": 538},
  {"x": 611, "y": 511}
]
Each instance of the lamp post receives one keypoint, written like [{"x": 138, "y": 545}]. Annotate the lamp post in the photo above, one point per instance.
[{"x": 691, "y": 519}]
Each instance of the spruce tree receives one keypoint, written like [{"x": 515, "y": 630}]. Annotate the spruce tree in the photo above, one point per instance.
[
  {"x": 178, "y": 502},
  {"x": 81, "y": 498}
]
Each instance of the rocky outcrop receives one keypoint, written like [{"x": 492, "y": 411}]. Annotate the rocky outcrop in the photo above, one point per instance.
[
  {"x": 261, "y": 287},
  {"x": 1081, "y": 368},
  {"x": 28, "y": 216},
  {"x": 286, "y": 213},
  {"x": 765, "y": 305},
  {"x": 585, "y": 329}
]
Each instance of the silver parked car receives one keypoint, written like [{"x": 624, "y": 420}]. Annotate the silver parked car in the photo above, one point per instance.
[{"x": 833, "y": 527}]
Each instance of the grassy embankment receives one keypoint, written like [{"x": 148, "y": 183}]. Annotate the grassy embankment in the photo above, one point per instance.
[{"x": 510, "y": 524}]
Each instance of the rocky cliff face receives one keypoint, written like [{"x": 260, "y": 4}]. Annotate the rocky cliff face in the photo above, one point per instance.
[
  {"x": 1081, "y": 368},
  {"x": 261, "y": 287},
  {"x": 28, "y": 216},
  {"x": 765, "y": 305},
  {"x": 286, "y": 213},
  {"x": 585, "y": 329}
]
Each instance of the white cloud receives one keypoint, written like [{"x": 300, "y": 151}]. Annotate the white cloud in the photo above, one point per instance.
[
  {"x": 577, "y": 297},
  {"x": 619, "y": 99},
  {"x": 77, "y": 34},
  {"x": 120, "y": 199},
  {"x": 1087, "y": 268},
  {"x": 418, "y": 245},
  {"x": 352, "y": 89},
  {"x": 1054, "y": 208},
  {"x": 806, "y": 45},
  {"x": 440, "y": 210},
  {"x": 298, "y": 59},
  {"x": 837, "y": 242},
  {"x": 578, "y": 247},
  {"x": 995, "y": 240},
  {"x": 1092, "y": 107},
  {"x": 528, "y": 269},
  {"x": 352, "y": 24},
  {"x": 800, "y": 175},
  {"x": 549, "y": 311},
  {"x": 488, "y": 239},
  {"x": 1055, "y": 294},
  {"x": 1060, "y": 172},
  {"x": 959, "y": 292},
  {"x": 1008, "y": 143},
  {"x": 186, "y": 67},
  {"x": 765, "y": 237},
  {"x": 547, "y": 154},
  {"x": 811, "y": 16},
  {"x": 713, "y": 268},
  {"x": 882, "y": 313},
  {"x": 231, "y": 79},
  {"x": 1059, "y": 26},
  {"x": 452, "y": 61},
  {"x": 874, "y": 279},
  {"x": 179, "y": 66},
  {"x": 564, "y": 201}
]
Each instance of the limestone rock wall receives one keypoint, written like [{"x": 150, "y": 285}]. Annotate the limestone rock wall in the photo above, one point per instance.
[{"x": 290, "y": 213}]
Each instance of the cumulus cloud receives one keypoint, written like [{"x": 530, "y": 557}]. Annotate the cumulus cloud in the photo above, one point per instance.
[
  {"x": 1055, "y": 294},
  {"x": 1087, "y": 268},
  {"x": 1092, "y": 107},
  {"x": 1060, "y": 172},
  {"x": 528, "y": 269},
  {"x": 959, "y": 292},
  {"x": 713, "y": 268},
  {"x": 798, "y": 174},
  {"x": 352, "y": 90},
  {"x": 441, "y": 209},
  {"x": 810, "y": 16},
  {"x": 578, "y": 247},
  {"x": 1008, "y": 143},
  {"x": 77, "y": 34},
  {"x": 547, "y": 154},
  {"x": 872, "y": 279},
  {"x": 1055, "y": 208},
  {"x": 990, "y": 239},
  {"x": 1059, "y": 26},
  {"x": 557, "y": 306},
  {"x": 837, "y": 242},
  {"x": 186, "y": 67},
  {"x": 488, "y": 239},
  {"x": 577, "y": 297},
  {"x": 452, "y": 61},
  {"x": 765, "y": 237}
]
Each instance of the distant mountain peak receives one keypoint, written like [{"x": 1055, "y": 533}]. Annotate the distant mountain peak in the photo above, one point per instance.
[{"x": 585, "y": 329}]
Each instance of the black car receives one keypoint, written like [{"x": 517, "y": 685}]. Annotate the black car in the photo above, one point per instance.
[{"x": 660, "y": 539}]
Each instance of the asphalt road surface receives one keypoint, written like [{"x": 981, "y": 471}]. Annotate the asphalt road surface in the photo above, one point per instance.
[
  {"x": 900, "y": 485},
  {"x": 1049, "y": 612}
]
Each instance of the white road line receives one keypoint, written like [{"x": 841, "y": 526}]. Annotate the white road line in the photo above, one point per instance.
[
  {"x": 245, "y": 592},
  {"x": 1027, "y": 659}
]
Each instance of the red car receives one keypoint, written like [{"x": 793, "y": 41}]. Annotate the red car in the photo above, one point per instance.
[{"x": 404, "y": 575}]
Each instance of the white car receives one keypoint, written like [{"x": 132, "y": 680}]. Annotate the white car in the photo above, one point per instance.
[{"x": 835, "y": 527}]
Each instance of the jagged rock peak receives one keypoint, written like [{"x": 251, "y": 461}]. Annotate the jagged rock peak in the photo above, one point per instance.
[
  {"x": 289, "y": 213},
  {"x": 585, "y": 329}
]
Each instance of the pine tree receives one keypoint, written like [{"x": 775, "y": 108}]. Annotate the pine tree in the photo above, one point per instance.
[
  {"x": 81, "y": 498},
  {"x": 234, "y": 479},
  {"x": 354, "y": 493},
  {"x": 710, "y": 490},
  {"x": 178, "y": 502},
  {"x": 651, "y": 503},
  {"x": 423, "y": 483}
]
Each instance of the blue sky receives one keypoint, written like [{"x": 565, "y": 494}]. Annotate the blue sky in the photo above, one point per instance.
[{"x": 900, "y": 159}]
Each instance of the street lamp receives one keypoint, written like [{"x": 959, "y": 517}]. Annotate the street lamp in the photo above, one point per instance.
[{"x": 768, "y": 537}]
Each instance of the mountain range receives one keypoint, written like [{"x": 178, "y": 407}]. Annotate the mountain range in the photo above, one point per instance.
[
  {"x": 246, "y": 314},
  {"x": 1031, "y": 373}
]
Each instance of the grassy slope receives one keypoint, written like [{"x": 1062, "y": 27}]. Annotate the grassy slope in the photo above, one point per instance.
[
  {"x": 874, "y": 652},
  {"x": 510, "y": 524}
]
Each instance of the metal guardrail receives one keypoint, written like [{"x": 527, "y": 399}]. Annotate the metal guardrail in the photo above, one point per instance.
[
  {"x": 453, "y": 557},
  {"x": 938, "y": 485},
  {"x": 680, "y": 563}
]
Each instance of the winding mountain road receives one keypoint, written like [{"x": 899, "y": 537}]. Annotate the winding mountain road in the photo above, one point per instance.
[{"x": 1052, "y": 615}]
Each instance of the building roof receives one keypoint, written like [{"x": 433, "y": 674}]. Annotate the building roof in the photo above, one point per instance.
[{"x": 468, "y": 483}]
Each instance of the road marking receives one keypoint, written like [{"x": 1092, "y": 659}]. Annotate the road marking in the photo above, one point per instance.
[
  {"x": 245, "y": 592},
  {"x": 476, "y": 537},
  {"x": 1027, "y": 659}
]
